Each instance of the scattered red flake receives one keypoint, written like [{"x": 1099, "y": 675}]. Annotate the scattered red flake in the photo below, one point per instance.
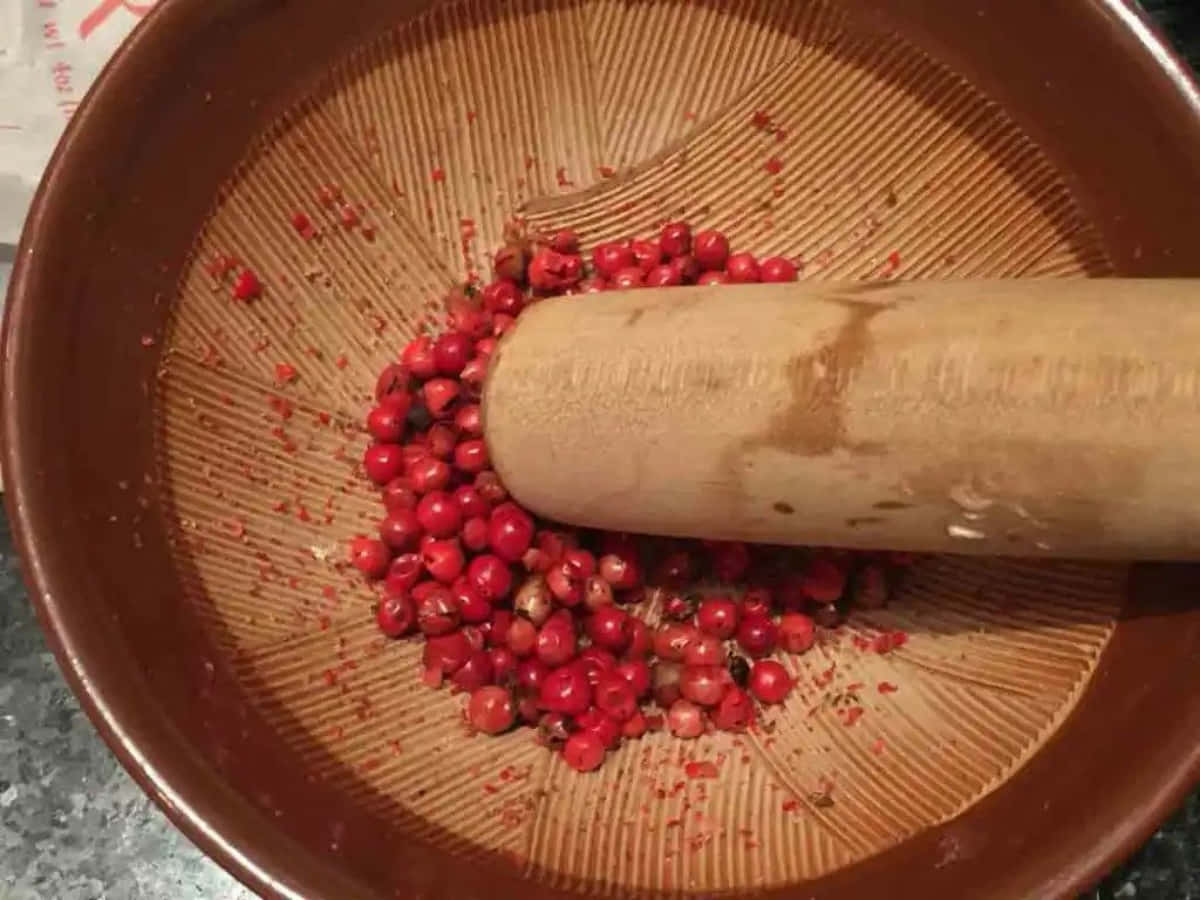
[
  {"x": 886, "y": 687},
  {"x": 702, "y": 769},
  {"x": 761, "y": 119},
  {"x": 891, "y": 264},
  {"x": 279, "y": 506},
  {"x": 330, "y": 677},
  {"x": 285, "y": 372},
  {"x": 852, "y": 715},
  {"x": 368, "y": 231},
  {"x": 147, "y": 340},
  {"x": 282, "y": 406},
  {"x": 349, "y": 216},
  {"x": 690, "y": 115},
  {"x": 774, "y": 165},
  {"x": 438, "y": 175},
  {"x": 329, "y": 592},
  {"x": 877, "y": 746},
  {"x": 247, "y": 286},
  {"x": 237, "y": 528},
  {"x": 607, "y": 171},
  {"x": 341, "y": 362},
  {"x": 471, "y": 116},
  {"x": 302, "y": 514},
  {"x": 491, "y": 789},
  {"x": 324, "y": 418},
  {"x": 528, "y": 162},
  {"x": 889, "y": 641},
  {"x": 822, "y": 679},
  {"x": 854, "y": 687},
  {"x": 303, "y": 225},
  {"x": 327, "y": 194},
  {"x": 324, "y": 622},
  {"x": 791, "y": 805},
  {"x": 560, "y": 175}
]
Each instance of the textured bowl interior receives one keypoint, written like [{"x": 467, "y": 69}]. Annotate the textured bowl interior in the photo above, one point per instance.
[{"x": 801, "y": 128}]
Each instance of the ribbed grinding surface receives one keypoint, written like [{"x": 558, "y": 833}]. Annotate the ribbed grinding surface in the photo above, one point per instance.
[{"x": 866, "y": 159}]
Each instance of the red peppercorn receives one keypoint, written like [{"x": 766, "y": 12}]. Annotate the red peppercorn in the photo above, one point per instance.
[
  {"x": 743, "y": 268},
  {"x": 471, "y": 456},
  {"x": 400, "y": 529},
  {"x": 533, "y": 600},
  {"x": 757, "y": 635},
  {"x": 552, "y": 272},
  {"x": 671, "y": 641},
  {"x": 440, "y": 440},
  {"x": 565, "y": 690},
  {"x": 596, "y": 664},
  {"x": 757, "y": 601},
  {"x": 615, "y": 697},
  {"x": 531, "y": 673},
  {"x": 797, "y": 632},
  {"x": 490, "y": 487},
  {"x": 622, "y": 572},
  {"x": 468, "y": 420},
  {"x": 703, "y": 685},
  {"x": 370, "y": 557},
  {"x": 417, "y": 357},
  {"x": 611, "y": 258},
  {"x": 637, "y": 673},
  {"x": 247, "y": 286},
  {"x": 711, "y": 249},
  {"x": 475, "y": 673},
  {"x": 639, "y": 639},
  {"x": 597, "y": 593},
  {"x": 383, "y": 462},
  {"x": 473, "y": 607},
  {"x": 509, "y": 263},
  {"x": 706, "y": 278},
  {"x": 474, "y": 534},
  {"x": 680, "y": 607},
  {"x": 451, "y": 351},
  {"x": 685, "y": 720},
  {"x": 824, "y": 580},
  {"x": 566, "y": 589},
  {"x": 496, "y": 631},
  {"x": 718, "y": 616},
  {"x": 439, "y": 395},
  {"x": 398, "y": 494},
  {"x": 706, "y": 650},
  {"x": 603, "y": 726},
  {"x": 439, "y": 514},
  {"x": 491, "y": 710},
  {"x": 564, "y": 241},
  {"x": 730, "y": 560},
  {"x": 510, "y": 532},
  {"x": 628, "y": 278},
  {"x": 664, "y": 276},
  {"x": 386, "y": 423},
  {"x": 503, "y": 296},
  {"x": 393, "y": 380},
  {"x": 776, "y": 269},
  {"x": 446, "y": 653},
  {"x": 676, "y": 239},
  {"x": 646, "y": 254},
  {"x": 491, "y": 576},
  {"x": 687, "y": 268},
  {"x": 735, "y": 712},
  {"x": 437, "y": 610},
  {"x": 470, "y": 502},
  {"x": 769, "y": 681},
  {"x": 428, "y": 474},
  {"x": 608, "y": 627},
  {"x": 521, "y": 637},
  {"x": 397, "y": 615},
  {"x": 504, "y": 665},
  {"x": 584, "y": 751},
  {"x": 556, "y": 642},
  {"x": 443, "y": 560},
  {"x": 404, "y": 572}
]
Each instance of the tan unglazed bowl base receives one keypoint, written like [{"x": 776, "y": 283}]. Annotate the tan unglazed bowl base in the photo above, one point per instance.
[{"x": 184, "y": 508}]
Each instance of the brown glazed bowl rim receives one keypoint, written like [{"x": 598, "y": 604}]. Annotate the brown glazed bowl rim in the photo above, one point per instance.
[{"x": 191, "y": 793}]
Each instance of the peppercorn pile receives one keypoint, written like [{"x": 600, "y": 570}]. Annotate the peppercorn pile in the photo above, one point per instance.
[{"x": 546, "y": 626}]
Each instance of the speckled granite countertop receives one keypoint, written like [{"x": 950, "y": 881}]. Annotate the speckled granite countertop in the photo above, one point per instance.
[{"x": 74, "y": 826}]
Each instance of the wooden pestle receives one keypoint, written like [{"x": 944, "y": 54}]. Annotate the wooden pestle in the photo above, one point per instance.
[{"x": 1021, "y": 417}]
